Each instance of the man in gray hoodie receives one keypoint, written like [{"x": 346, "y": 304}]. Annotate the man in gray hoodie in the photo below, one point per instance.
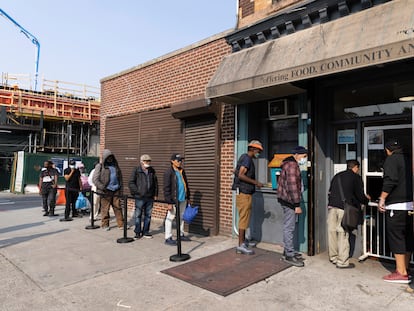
[{"x": 108, "y": 181}]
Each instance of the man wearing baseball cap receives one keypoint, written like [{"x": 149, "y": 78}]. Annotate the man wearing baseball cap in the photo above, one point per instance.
[
  {"x": 176, "y": 191},
  {"x": 143, "y": 185},
  {"x": 245, "y": 185}
]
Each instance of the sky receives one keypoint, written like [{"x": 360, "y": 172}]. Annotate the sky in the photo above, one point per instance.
[{"x": 83, "y": 41}]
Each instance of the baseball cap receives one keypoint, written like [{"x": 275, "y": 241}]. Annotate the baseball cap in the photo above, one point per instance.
[
  {"x": 176, "y": 156},
  {"x": 255, "y": 144},
  {"x": 393, "y": 144},
  {"x": 299, "y": 150},
  {"x": 146, "y": 157}
]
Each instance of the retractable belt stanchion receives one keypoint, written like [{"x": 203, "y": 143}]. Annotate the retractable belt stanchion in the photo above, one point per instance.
[
  {"x": 92, "y": 213},
  {"x": 125, "y": 239},
  {"x": 179, "y": 256}
]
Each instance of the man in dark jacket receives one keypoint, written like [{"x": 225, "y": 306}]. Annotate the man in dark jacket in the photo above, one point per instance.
[
  {"x": 353, "y": 192},
  {"x": 143, "y": 185},
  {"x": 73, "y": 187},
  {"x": 48, "y": 187},
  {"x": 245, "y": 185},
  {"x": 396, "y": 201},
  {"x": 289, "y": 193},
  {"x": 176, "y": 192},
  {"x": 108, "y": 181}
]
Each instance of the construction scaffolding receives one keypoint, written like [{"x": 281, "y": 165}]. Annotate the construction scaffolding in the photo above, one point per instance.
[{"x": 45, "y": 116}]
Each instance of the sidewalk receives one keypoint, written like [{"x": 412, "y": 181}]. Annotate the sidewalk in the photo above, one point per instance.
[{"x": 50, "y": 265}]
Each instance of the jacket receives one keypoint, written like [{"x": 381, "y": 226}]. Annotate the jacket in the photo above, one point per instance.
[
  {"x": 397, "y": 179},
  {"x": 143, "y": 185},
  {"x": 170, "y": 186},
  {"x": 352, "y": 187},
  {"x": 289, "y": 189},
  {"x": 102, "y": 173}
]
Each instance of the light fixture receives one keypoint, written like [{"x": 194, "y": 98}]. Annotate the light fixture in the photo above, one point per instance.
[
  {"x": 404, "y": 91},
  {"x": 406, "y": 98}
]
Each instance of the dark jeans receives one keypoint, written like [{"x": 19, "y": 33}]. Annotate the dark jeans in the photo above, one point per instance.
[
  {"x": 49, "y": 198},
  {"x": 71, "y": 197},
  {"x": 143, "y": 205}
]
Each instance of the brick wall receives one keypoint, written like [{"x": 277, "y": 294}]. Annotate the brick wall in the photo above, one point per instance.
[{"x": 162, "y": 82}]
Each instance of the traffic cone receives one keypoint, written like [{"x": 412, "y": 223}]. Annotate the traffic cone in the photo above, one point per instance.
[{"x": 60, "y": 197}]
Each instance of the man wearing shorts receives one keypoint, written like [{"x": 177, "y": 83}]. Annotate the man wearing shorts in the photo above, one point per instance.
[
  {"x": 396, "y": 200},
  {"x": 244, "y": 184}
]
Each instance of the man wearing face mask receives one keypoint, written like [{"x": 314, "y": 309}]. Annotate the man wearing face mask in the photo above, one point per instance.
[
  {"x": 143, "y": 185},
  {"x": 48, "y": 184},
  {"x": 108, "y": 181},
  {"x": 72, "y": 177},
  {"x": 289, "y": 192},
  {"x": 245, "y": 185}
]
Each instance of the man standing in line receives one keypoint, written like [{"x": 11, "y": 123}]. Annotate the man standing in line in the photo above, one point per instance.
[
  {"x": 176, "y": 191},
  {"x": 108, "y": 181},
  {"x": 353, "y": 193},
  {"x": 96, "y": 198},
  {"x": 245, "y": 185},
  {"x": 143, "y": 185},
  {"x": 396, "y": 201},
  {"x": 289, "y": 192},
  {"x": 73, "y": 187},
  {"x": 48, "y": 186}
]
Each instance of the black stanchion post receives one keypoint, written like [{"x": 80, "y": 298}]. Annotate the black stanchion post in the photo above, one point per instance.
[
  {"x": 92, "y": 213},
  {"x": 179, "y": 256},
  {"x": 125, "y": 239}
]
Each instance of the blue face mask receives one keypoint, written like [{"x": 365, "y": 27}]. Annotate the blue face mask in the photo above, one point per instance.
[{"x": 257, "y": 155}]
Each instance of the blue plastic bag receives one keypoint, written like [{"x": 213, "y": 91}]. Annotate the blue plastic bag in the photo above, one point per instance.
[
  {"x": 81, "y": 202},
  {"x": 190, "y": 213}
]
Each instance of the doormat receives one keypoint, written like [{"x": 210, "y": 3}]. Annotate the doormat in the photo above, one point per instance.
[{"x": 227, "y": 272}]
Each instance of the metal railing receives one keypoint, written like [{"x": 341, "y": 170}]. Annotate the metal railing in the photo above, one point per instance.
[{"x": 374, "y": 236}]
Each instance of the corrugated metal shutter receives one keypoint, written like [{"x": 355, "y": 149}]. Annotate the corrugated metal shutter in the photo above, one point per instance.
[
  {"x": 201, "y": 165},
  {"x": 121, "y": 137},
  {"x": 161, "y": 136}
]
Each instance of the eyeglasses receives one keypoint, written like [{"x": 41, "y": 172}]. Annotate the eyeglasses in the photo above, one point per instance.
[{"x": 146, "y": 160}]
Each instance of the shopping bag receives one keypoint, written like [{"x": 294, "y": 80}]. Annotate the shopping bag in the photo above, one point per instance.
[
  {"x": 190, "y": 213},
  {"x": 81, "y": 201}
]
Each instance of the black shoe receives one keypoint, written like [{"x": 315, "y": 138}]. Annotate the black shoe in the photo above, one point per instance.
[
  {"x": 298, "y": 256},
  {"x": 66, "y": 219},
  {"x": 294, "y": 261},
  {"x": 46, "y": 214},
  {"x": 185, "y": 238},
  {"x": 138, "y": 236},
  {"x": 350, "y": 266}
]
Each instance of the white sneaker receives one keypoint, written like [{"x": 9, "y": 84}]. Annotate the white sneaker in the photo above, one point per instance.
[{"x": 242, "y": 249}]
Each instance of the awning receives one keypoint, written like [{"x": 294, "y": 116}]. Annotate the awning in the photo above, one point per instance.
[{"x": 374, "y": 36}]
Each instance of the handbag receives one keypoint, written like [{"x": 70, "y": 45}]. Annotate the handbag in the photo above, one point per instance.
[
  {"x": 190, "y": 213},
  {"x": 352, "y": 214}
]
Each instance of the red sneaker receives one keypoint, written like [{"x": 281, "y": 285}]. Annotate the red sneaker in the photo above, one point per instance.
[{"x": 396, "y": 277}]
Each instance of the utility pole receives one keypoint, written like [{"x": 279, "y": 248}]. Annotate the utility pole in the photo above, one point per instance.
[{"x": 31, "y": 38}]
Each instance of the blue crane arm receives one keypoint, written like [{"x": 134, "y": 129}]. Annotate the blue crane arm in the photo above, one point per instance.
[{"x": 31, "y": 38}]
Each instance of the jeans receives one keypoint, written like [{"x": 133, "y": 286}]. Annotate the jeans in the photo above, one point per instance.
[
  {"x": 289, "y": 227},
  {"x": 143, "y": 205},
  {"x": 71, "y": 197},
  {"x": 49, "y": 198}
]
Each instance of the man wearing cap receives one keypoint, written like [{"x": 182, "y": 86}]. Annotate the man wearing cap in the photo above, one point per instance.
[
  {"x": 289, "y": 192},
  {"x": 396, "y": 201},
  {"x": 245, "y": 185},
  {"x": 73, "y": 186},
  {"x": 48, "y": 187},
  {"x": 143, "y": 185},
  {"x": 176, "y": 191}
]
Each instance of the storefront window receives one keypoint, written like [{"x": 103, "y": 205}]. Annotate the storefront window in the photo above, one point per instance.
[
  {"x": 373, "y": 100},
  {"x": 275, "y": 123}
]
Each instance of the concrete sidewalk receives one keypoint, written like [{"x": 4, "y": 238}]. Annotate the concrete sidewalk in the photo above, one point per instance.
[{"x": 50, "y": 265}]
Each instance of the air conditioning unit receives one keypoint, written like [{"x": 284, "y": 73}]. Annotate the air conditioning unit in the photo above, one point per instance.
[{"x": 277, "y": 108}]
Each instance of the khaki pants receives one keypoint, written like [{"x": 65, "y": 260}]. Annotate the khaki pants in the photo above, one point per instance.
[
  {"x": 244, "y": 206},
  {"x": 338, "y": 238},
  {"x": 106, "y": 202}
]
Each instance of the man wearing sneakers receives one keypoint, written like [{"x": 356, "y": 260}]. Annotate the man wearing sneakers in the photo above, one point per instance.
[
  {"x": 245, "y": 185},
  {"x": 143, "y": 185},
  {"x": 396, "y": 201},
  {"x": 176, "y": 192},
  {"x": 289, "y": 193}
]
